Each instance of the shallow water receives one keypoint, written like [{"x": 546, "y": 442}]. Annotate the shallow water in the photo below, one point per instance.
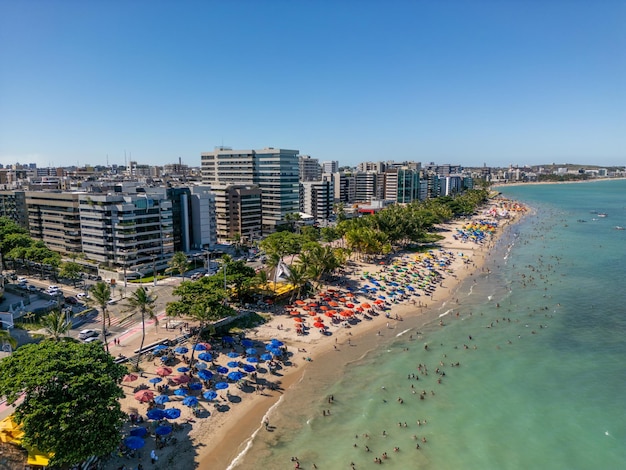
[{"x": 540, "y": 385}]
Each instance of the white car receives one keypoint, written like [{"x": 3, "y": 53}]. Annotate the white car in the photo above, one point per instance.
[
  {"x": 85, "y": 334},
  {"x": 81, "y": 296},
  {"x": 22, "y": 280},
  {"x": 92, "y": 339},
  {"x": 53, "y": 289}
]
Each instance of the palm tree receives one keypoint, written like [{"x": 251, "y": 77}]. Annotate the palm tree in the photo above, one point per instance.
[
  {"x": 100, "y": 296},
  {"x": 143, "y": 302},
  {"x": 179, "y": 263},
  {"x": 56, "y": 324},
  {"x": 297, "y": 277},
  {"x": 5, "y": 337}
]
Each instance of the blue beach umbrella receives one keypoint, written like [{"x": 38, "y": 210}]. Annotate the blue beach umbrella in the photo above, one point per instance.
[
  {"x": 221, "y": 385},
  {"x": 183, "y": 369},
  {"x": 171, "y": 413},
  {"x": 233, "y": 354},
  {"x": 266, "y": 357},
  {"x": 181, "y": 350},
  {"x": 134, "y": 442},
  {"x": 139, "y": 432},
  {"x": 222, "y": 370},
  {"x": 161, "y": 399},
  {"x": 210, "y": 395},
  {"x": 195, "y": 386},
  {"x": 228, "y": 339},
  {"x": 180, "y": 392},
  {"x": 410, "y": 288},
  {"x": 236, "y": 375},
  {"x": 201, "y": 365},
  {"x": 163, "y": 430},
  {"x": 252, "y": 359},
  {"x": 276, "y": 343},
  {"x": 248, "y": 368},
  {"x": 233, "y": 364},
  {"x": 160, "y": 347},
  {"x": 205, "y": 356},
  {"x": 251, "y": 352},
  {"x": 246, "y": 343},
  {"x": 155, "y": 380},
  {"x": 190, "y": 401},
  {"x": 155, "y": 414},
  {"x": 199, "y": 347},
  {"x": 205, "y": 374}
]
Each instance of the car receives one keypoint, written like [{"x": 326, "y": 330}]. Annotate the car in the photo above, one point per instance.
[
  {"x": 71, "y": 300},
  {"x": 92, "y": 339},
  {"x": 85, "y": 334},
  {"x": 22, "y": 280},
  {"x": 33, "y": 288},
  {"x": 81, "y": 296},
  {"x": 53, "y": 287},
  {"x": 111, "y": 301}
]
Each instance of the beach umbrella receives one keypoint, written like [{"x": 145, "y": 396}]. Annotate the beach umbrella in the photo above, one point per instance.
[
  {"x": 190, "y": 401},
  {"x": 161, "y": 399},
  {"x": 155, "y": 414},
  {"x": 378, "y": 301},
  {"x": 171, "y": 413},
  {"x": 195, "y": 386},
  {"x": 313, "y": 305},
  {"x": 233, "y": 354},
  {"x": 155, "y": 380},
  {"x": 266, "y": 357},
  {"x": 330, "y": 313},
  {"x": 181, "y": 379},
  {"x": 163, "y": 430},
  {"x": 410, "y": 288},
  {"x": 300, "y": 302},
  {"x": 163, "y": 371},
  {"x": 233, "y": 364},
  {"x": 210, "y": 395},
  {"x": 276, "y": 343},
  {"x": 251, "y": 351},
  {"x": 381, "y": 297},
  {"x": 181, "y": 350},
  {"x": 246, "y": 343},
  {"x": 228, "y": 339},
  {"x": 205, "y": 374},
  {"x": 205, "y": 356},
  {"x": 350, "y": 305},
  {"x": 160, "y": 347},
  {"x": 144, "y": 396},
  {"x": 201, "y": 347},
  {"x": 294, "y": 313},
  {"x": 139, "y": 432},
  {"x": 248, "y": 368},
  {"x": 201, "y": 365},
  {"x": 324, "y": 308},
  {"x": 130, "y": 378},
  {"x": 180, "y": 392},
  {"x": 332, "y": 303},
  {"x": 134, "y": 442},
  {"x": 222, "y": 370},
  {"x": 221, "y": 385},
  {"x": 183, "y": 369},
  {"x": 252, "y": 359},
  {"x": 236, "y": 375},
  {"x": 318, "y": 324},
  {"x": 298, "y": 320}
]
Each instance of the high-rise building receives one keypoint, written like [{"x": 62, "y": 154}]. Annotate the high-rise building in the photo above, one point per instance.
[
  {"x": 275, "y": 171},
  {"x": 401, "y": 184},
  {"x": 318, "y": 197},
  {"x": 310, "y": 169},
  {"x": 330, "y": 166},
  {"x": 54, "y": 218},
  {"x": 203, "y": 218},
  {"x": 238, "y": 212},
  {"x": 365, "y": 186}
]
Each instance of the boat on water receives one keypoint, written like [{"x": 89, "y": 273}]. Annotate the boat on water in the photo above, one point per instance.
[
  {"x": 619, "y": 227},
  {"x": 601, "y": 214},
  {"x": 582, "y": 220}
]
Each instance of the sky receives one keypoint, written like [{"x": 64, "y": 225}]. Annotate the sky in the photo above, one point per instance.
[{"x": 464, "y": 82}]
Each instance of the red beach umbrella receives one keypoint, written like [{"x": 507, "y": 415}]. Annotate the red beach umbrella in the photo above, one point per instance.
[
  {"x": 181, "y": 379},
  {"x": 350, "y": 305},
  {"x": 330, "y": 313},
  {"x": 313, "y": 305},
  {"x": 298, "y": 320},
  {"x": 130, "y": 378},
  {"x": 346, "y": 313},
  {"x": 323, "y": 308},
  {"x": 366, "y": 305},
  {"x": 144, "y": 396},
  {"x": 318, "y": 324},
  {"x": 299, "y": 302},
  {"x": 163, "y": 371},
  {"x": 378, "y": 301},
  {"x": 332, "y": 303},
  {"x": 294, "y": 313}
]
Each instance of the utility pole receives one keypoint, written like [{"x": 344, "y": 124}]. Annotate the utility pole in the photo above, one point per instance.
[{"x": 154, "y": 273}]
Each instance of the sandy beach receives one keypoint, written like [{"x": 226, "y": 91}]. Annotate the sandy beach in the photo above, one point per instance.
[{"x": 220, "y": 429}]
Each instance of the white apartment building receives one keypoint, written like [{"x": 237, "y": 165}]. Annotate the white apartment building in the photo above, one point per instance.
[{"x": 317, "y": 198}]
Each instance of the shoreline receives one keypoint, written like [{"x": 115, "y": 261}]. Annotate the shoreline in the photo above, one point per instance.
[
  {"x": 221, "y": 435},
  {"x": 220, "y": 453}
]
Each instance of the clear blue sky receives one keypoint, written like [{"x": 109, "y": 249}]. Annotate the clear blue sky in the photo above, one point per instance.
[{"x": 463, "y": 82}]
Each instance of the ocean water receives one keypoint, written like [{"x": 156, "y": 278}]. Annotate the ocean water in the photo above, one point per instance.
[{"x": 539, "y": 336}]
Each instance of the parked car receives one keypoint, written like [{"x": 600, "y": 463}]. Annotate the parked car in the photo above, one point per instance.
[
  {"x": 22, "y": 280},
  {"x": 81, "y": 296},
  {"x": 84, "y": 334},
  {"x": 71, "y": 300},
  {"x": 92, "y": 339},
  {"x": 33, "y": 288}
]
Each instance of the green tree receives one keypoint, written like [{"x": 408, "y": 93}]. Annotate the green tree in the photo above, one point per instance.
[
  {"x": 55, "y": 324},
  {"x": 99, "y": 296},
  {"x": 9, "y": 233},
  {"x": 179, "y": 263},
  {"x": 143, "y": 302},
  {"x": 71, "y": 270},
  {"x": 71, "y": 399}
]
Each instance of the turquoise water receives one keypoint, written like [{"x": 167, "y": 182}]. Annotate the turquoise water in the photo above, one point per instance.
[{"x": 541, "y": 383}]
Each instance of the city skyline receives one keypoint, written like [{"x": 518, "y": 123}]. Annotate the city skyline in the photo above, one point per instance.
[{"x": 467, "y": 83}]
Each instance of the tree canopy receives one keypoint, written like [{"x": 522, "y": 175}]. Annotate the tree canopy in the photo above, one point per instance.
[{"x": 71, "y": 402}]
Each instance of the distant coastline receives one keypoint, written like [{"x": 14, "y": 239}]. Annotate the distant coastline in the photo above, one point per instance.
[{"x": 524, "y": 183}]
